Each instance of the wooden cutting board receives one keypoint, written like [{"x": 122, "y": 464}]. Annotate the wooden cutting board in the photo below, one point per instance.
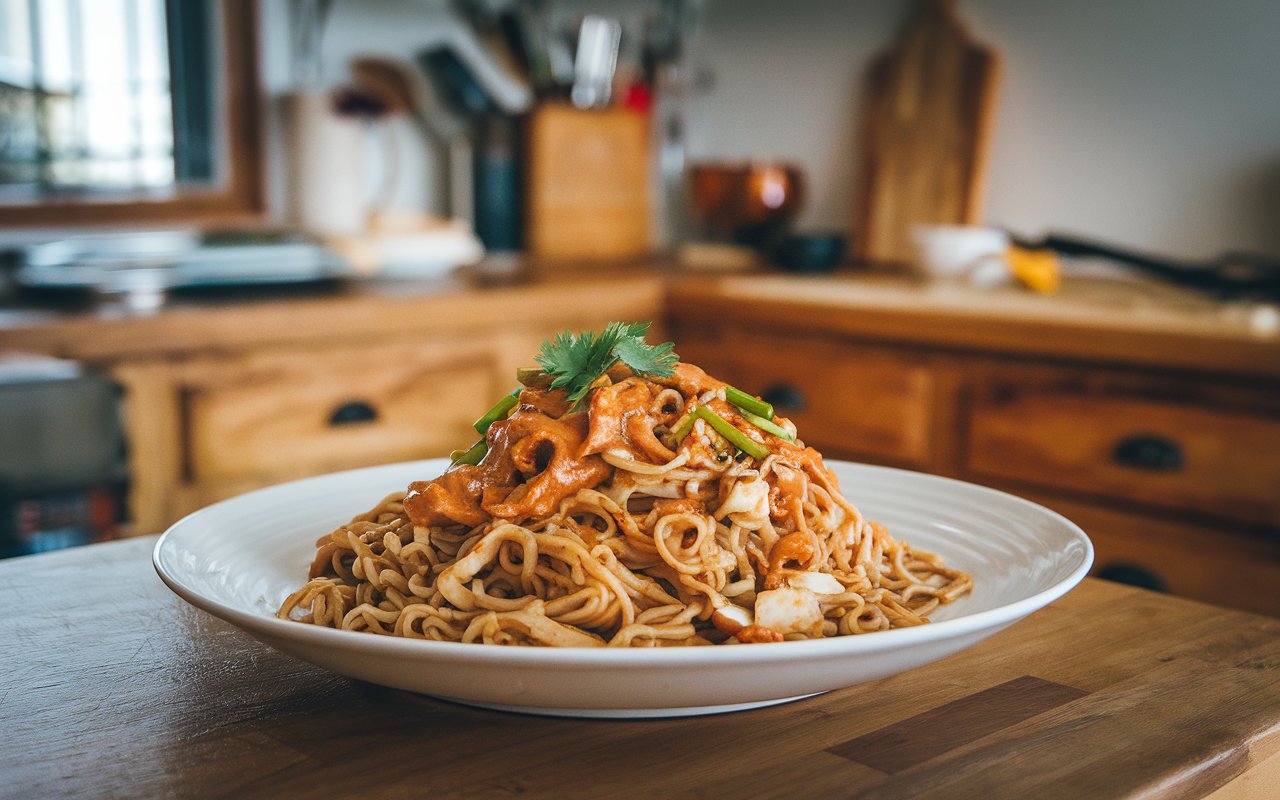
[{"x": 928, "y": 108}]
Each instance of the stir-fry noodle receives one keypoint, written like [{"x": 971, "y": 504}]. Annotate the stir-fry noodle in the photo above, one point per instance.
[{"x": 630, "y": 519}]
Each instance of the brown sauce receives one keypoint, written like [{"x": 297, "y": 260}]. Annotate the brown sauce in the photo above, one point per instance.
[
  {"x": 533, "y": 463},
  {"x": 542, "y": 454},
  {"x": 755, "y": 634}
]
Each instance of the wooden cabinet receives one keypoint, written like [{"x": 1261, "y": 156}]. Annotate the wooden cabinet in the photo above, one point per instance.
[
  {"x": 1173, "y": 471},
  {"x": 1166, "y": 443},
  {"x": 845, "y": 398},
  {"x": 1157, "y": 430},
  {"x": 280, "y": 413},
  {"x": 1208, "y": 561},
  {"x": 242, "y": 420},
  {"x": 258, "y": 416},
  {"x": 224, "y": 398}
]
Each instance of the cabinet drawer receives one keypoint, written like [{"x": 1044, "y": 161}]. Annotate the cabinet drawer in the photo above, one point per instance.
[
  {"x": 1212, "y": 565},
  {"x": 298, "y": 413},
  {"x": 1125, "y": 444},
  {"x": 849, "y": 399}
]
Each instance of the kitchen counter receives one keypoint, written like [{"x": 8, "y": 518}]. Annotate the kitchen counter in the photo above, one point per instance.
[
  {"x": 362, "y": 310},
  {"x": 223, "y": 394},
  {"x": 110, "y": 685},
  {"x": 1141, "y": 322},
  {"x": 1145, "y": 412}
]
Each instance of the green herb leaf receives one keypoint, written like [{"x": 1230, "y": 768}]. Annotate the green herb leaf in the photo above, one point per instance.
[
  {"x": 657, "y": 359},
  {"x": 575, "y": 361}
]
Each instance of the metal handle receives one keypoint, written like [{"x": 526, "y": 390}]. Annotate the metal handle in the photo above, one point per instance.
[
  {"x": 354, "y": 412},
  {"x": 785, "y": 397},
  {"x": 1148, "y": 451}
]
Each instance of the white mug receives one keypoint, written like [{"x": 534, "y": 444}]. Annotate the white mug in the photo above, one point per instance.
[{"x": 960, "y": 252}]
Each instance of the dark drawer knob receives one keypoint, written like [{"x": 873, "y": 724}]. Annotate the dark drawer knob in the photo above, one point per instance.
[
  {"x": 1132, "y": 575},
  {"x": 1149, "y": 452},
  {"x": 352, "y": 413},
  {"x": 785, "y": 397}
]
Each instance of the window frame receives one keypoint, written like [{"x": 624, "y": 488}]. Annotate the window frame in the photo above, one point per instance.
[{"x": 236, "y": 197}]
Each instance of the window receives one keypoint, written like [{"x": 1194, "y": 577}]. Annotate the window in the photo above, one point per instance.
[{"x": 114, "y": 110}]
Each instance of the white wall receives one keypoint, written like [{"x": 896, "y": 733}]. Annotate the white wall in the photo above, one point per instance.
[
  {"x": 1153, "y": 123},
  {"x": 1150, "y": 121}
]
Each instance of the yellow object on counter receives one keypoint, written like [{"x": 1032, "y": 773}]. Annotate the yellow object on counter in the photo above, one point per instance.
[{"x": 1038, "y": 269}]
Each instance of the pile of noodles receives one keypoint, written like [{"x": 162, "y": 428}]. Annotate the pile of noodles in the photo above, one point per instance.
[{"x": 596, "y": 527}]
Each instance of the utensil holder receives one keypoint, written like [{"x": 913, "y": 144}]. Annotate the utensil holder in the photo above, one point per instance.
[{"x": 590, "y": 195}]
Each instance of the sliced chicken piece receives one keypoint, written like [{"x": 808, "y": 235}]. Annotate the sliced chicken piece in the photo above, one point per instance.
[{"x": 789, "y": 610}]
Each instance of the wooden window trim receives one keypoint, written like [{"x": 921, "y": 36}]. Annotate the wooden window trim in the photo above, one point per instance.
[{"x": 238, "y": 197}]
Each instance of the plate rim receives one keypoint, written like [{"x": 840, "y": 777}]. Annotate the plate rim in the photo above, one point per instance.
[{"x": 626, "y": 657}]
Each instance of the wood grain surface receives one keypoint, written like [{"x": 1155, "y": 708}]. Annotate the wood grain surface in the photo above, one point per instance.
[
  {"x": 589, "y": 197},
  {"x": 111, "y": 686},
  {"x": 929, "y": 105},
  {"x": 1142, "y": 324},
  {"x": 359, "y": 312}
]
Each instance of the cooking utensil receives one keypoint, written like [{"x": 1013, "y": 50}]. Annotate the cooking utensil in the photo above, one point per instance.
[
  {"x": 810, "y": 252},
  {"x": 405, "y": 90},
  {"x": 457, "y": 82},
  {"x": 750, "y": 202},
  {"x": 495, "y": 167},
  {"x": 589, "y": 194},
  {"x": 529, "y": 22},
  {"x": 1230, "y": 273},
  {"x": 597, "y": 59},
  {"x": 929, "y": 104}
]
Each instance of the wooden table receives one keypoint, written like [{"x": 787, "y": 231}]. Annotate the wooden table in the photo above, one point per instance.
[{"x": 111, "y": 686}]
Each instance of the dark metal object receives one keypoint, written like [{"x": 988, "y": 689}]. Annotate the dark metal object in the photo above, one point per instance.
[
  {"x": 1230, "y": 274},
  {"x": 810, "y": 252},
  {"x": 63, "y": 467}
]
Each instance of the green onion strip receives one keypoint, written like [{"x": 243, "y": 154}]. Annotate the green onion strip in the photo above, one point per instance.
[
  {"x": 471, "y": 455},
  {"x": 766, "y": 425},
  {"x": 731, "y": 434},
  {"x": 683, "y": 427},
  {"x": 746, "y": 402},
  {"x": 498, "y": 412}
]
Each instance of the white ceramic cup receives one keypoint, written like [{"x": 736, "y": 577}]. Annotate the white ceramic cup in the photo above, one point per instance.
[
  {"x": 327, "y": 171},
  {"x": 960, "y": 252}
]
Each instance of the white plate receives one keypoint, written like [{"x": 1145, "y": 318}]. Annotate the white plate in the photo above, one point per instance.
[{"x": 240, "y": 558}]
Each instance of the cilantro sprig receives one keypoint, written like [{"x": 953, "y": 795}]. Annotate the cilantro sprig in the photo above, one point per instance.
[{"x": 576, "y": 361}]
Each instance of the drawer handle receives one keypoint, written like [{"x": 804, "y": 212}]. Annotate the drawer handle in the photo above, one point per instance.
[
  {"x": 785, "y": 397},
  {"x": 1132, "y": 575},
  {"x": 1150, "y": 452},
  {"x": 352, "y": 413}
]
